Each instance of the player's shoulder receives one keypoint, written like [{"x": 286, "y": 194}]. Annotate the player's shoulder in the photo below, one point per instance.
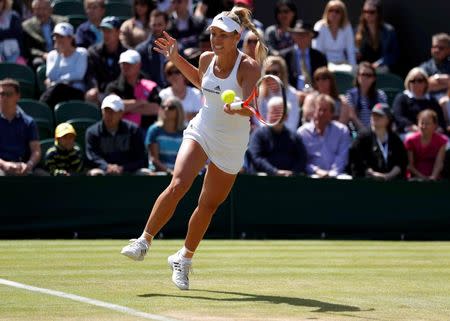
[
  {"x": 206, "y": 58},
  {"x": 249, "y": 65}
]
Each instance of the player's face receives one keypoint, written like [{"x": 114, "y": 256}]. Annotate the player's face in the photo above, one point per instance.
[{"x": 223, "y": 42}]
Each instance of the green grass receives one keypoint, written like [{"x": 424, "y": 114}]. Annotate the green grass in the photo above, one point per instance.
[{"x": 232, "y": 280}]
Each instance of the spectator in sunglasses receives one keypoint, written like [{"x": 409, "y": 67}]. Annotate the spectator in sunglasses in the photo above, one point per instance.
[
  {"x": 438, "y": 67},
  {"x": 376, "y": 41},
  {"x": 408, "y": 104}
]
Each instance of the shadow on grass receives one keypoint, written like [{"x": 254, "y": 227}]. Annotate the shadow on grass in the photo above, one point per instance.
[{"x": 247, "y": 297}]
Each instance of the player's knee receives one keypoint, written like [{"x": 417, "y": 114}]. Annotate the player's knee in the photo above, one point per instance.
[{"x": 177, "y": 189}]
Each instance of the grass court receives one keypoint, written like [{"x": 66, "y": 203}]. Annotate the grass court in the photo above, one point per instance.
[{"x": 232, "y": 280}]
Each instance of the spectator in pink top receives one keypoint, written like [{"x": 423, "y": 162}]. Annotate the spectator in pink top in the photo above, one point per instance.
[{"x": 426, "y": 148}]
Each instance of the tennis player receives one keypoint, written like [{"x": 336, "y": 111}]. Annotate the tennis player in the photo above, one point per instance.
[{"x": 216, "y": 133}]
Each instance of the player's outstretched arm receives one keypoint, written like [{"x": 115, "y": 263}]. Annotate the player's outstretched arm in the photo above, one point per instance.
[{"x": 168, "y": 47}]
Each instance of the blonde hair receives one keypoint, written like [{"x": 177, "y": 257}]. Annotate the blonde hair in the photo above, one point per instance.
[
  {"x": 341, "y": 5},
  {"x": 243, "y": 17},
  {"x": 280, "y": 62},
  {"x": 174, "y": 101},
  {"x": 412, "y": 74}
]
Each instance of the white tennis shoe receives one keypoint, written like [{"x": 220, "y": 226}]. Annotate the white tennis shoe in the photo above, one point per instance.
[
  {"x": 136, "y": 250},
  {"x": 180, "y": 270}
]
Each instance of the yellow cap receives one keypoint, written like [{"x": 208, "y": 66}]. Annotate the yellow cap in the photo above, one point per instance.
[{"x": 64, "y": 129}]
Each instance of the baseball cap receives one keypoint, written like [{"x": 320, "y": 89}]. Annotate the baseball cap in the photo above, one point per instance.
[
  {"x": 382, "y": 109},
  {"x": 63, "y": 129},
  {"x": 130, "y": 56},
  {"x": 248, "y": 3},
  {"x": 302, "y": 26},
  {"x": 64, "y": 29},
  {"x": 222, "y": 21},
  {"x": 110, "y": 22},
  {"x": 114, "y": 102}
]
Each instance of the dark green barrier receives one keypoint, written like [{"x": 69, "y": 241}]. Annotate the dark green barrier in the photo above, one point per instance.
[{"x": 117, "y": 207}]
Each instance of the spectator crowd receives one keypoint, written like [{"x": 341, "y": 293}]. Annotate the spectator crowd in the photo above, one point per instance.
[{"x": 349, "y": 115}]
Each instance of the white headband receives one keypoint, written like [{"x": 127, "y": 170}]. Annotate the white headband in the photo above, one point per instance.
[{"x": 225, "y": 23}]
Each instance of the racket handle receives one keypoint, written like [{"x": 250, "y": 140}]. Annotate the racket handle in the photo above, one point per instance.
[{"x": 236, "y": 106}]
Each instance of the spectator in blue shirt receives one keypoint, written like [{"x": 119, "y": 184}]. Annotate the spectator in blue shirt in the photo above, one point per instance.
[
  {"x": 327, "y": 142},
  {"x": 89, "y": 33},
  {"x": 276, "y": 150},
  {"x": 20, "y": 150}
]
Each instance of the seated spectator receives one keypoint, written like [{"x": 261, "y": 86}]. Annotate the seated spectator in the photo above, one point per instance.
[
  {"x": 249, "y": 43},
  {"x": 191, "y": 98},
  {"x": 438, "y": 67},
  {"x": 276, "y": 150},
  {"x": 376, "y": 41},
  {"x": 103, "y": 60},
  {"x": 163, "y": 139},
  {"x": 324, "y": 82},
  {"x": 115, "y": 146},
  {"x": 335, "y": 38},
  {"x": 445, "y": 104},
  {"x": 66, "y": 68},
  {"x": 184, "y": 26},
  {"x": 364, "y": 96},
  {"x": 23, "y": 8},
  {"x": 326, "y": 141},
  {"x": 208, "y": 9},
  {"x": 378, "y": 153},
  {"x": 426, "y": 148},
  {"x": 276, "y": 66},
  {"x": 37, "y": 32},
  {"x": 65, "y": 158},
  {"x": 153, "y": 62},
  {"x": 10, "y": 34},
  {"x": 140, "y": 96},
  {"x": 277, "y": 37},
  {"x": 302, "y": 60},
  {"x": 408, "y": 104},
  {"x": 137, "y": 29},
  {"x": 89, "y": 33},
  {"x": 20, "y": 150},
  {"x": 248, "y": 4}
]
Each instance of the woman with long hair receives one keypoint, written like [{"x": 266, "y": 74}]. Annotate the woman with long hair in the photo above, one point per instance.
[
  {"x": 335, "y": 38},
  {"x": 11, "y": 31},
  {"x": 191, "y": 98},
  {"x": 324, "y": 82},
  {"x": 376, "y": 41},
  {"x": 163, "y": 138},
  {"x": 137, "y": 29},
  {"x": 277, "y": 36},
  {"x": 217, "y": 133},
  {"x": 364, "y": 95}
]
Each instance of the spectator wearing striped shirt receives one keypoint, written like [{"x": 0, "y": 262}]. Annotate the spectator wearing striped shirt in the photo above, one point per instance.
[{"x": 64, "y": 158}]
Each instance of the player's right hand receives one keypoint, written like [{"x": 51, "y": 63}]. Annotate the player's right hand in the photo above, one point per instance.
[{"x": 166, "y": 46}]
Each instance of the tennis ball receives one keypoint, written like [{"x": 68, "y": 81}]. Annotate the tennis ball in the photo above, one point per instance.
[{"x": 228, "y": 96}]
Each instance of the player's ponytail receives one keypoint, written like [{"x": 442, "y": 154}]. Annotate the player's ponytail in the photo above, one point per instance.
[{"x": 245, "y": 17}]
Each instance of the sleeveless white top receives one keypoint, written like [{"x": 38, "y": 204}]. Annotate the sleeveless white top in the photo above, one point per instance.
[{"x": 223, "y": 137}]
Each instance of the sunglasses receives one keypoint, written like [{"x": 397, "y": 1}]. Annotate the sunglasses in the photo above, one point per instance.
[
  {"x": 6, "y": 93},
  {"x": 272, "y": 72},
  {"x": 169, "y": 107},
  {"x": 284, "y": 11},
  {"x": 367, "y": 75},
  {"x": 370, "y": 11},
  {"x": 417, "y": 80},
  {"x": 439, "y": 47},
  {"x": 334, "y": 10},
  {"x": 173, "y": 72},
  {"x": 252, "y": 41}
]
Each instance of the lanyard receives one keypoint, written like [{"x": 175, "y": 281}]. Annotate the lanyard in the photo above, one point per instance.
[{"x": 384, "y": 148}]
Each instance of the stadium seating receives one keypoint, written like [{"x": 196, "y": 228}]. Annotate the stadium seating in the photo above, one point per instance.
[
  {"x": 81, "y": 125},
  {"x": 45, "y": 146},
  {"x": 390, "y": 80},
  {"x": 344, "y": 81},
  {"x": 68, "y": 7},
  {"x": 391, "y": 93},
  {"x": 76, "y": 109},
  {"x": 122, "y": 10},
  {"x": 40, "y": 78},
  {"x": 23, "y": 74},
  {"x": 42, "y": 115},
  {"x": 76, "y": 19}
]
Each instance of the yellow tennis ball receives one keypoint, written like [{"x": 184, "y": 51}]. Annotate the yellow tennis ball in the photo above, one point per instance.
[{"x": 228, "y": 96}]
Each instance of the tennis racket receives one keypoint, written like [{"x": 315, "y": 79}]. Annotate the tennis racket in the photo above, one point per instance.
[{"x": 267, "y": 88}]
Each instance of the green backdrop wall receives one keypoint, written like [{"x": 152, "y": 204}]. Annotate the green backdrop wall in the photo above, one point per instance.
[{"x": 258, "y": 207}]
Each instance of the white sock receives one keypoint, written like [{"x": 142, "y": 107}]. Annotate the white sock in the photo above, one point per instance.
[
  {"x": 147, "y": 236},
  {"x": 184, "y": 251}
]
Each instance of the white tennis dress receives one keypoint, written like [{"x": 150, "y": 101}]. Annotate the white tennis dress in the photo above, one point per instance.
[{"x": 223, "y": 137}]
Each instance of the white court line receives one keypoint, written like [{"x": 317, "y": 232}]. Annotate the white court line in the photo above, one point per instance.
[{"x": 78, "y": 298}]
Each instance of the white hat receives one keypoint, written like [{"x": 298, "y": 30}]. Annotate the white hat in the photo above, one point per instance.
[
  {"x": 130, "y": 56},
  {"x": 114, "y": 102},
  {"x": 222, "y": 21},
  {"x": 64, "y": 29}
]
